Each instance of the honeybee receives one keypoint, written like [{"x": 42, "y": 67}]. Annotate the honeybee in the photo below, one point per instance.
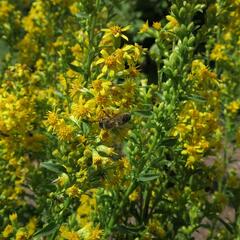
[{"x": 114, "y": 122}]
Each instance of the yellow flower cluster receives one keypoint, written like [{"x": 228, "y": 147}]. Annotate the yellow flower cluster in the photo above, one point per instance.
[
  {"x": 218, "y": 54},
  {"x": 21, "y": 233},
  {"x": 71, "y": 87},
  {"x": 198, "y": 125},
  {"x": 5, "y": 9},
  {"x": 36, "y": 21}
]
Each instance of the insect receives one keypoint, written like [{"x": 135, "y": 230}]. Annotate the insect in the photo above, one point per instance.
[{"x": 114, "y": 122}]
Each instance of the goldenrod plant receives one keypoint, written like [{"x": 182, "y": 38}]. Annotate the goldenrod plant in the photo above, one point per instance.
[{"x": 116, "y": 126}]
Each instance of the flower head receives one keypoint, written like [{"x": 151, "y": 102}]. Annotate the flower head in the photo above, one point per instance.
[
  {"x": 7, "y": 231},
  {"x": 13, "y": 217},
  {"x": 172, "y": 22},
  {"x": 115, "y": 31},
  {"x": 144, "y": 27},
  {"x": 73, "y": 191},
  {"x": 218, "y": 53},
  {"x": 157, "y": 25}
]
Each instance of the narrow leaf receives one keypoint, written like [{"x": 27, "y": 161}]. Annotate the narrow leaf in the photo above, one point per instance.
[
  {"x": 54, "y": 167},
  {"x": 143, "y": 113},
  {"x": 148, "y": 177},
  {"x": 76, "y": 68},
  {"x": 131, "y": 229},
  {"x": 228, "y": 226},
  {"x": 47, "y": 230},
  {"x": 196, "y": 98},
  {"x": 171, "y": 141}
]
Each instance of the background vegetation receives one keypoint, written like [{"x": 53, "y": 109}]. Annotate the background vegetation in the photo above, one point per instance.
[{"x": 119, "y": 119}]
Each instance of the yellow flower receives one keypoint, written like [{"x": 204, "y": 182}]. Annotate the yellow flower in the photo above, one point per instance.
[
  {"x": 36, "y": 15},
  {"x": 144, "y": 27},
  {"x": 62, "y": 180},
  {"x": 218, "y": 53},
  {"x": 5, "y": 9},
  {"x": 69, "y": 235},
  {"x": 190, "y": 150},
  {"x": 81, "y": 175},
  {"x": 112, "y": 63},
  {"x": 79, "y": 110},
  {"x": 191, "y": 162},
  {"x": 233, "y": 107},
  {"x": 104, "y": 134},
  {"x": 73, "y": 191},
  {"x": 181, "y": 130},
  {"x": 88, "y": 204},
  {"x": 13, "y": 217},
  {"x": 21, "y": 235},
  {"x": 64, "y": 131},
  {"x": 157, "y": 25},
  {"x": 74, "y": 8},
  {"x": 107, "y": 150},
  {"x": 133, "y": 71},
  {"x": 75, "y": 88},
  {"x": 98, "y": 160},
  {"x": 95, "y": 233},
  {"x": 201, "y": 73},
  {"x": 40, "y": 64},
  {"x": 7, "y": 231},
  {"x": 115, "y": 31},
  {"x": 100, "y": 86},
  {"x": 172, "y": 22},
  {"x": 194, "y": 152},
  {"x": 155, "y": 228},
  {"x": 134, "y": 196},
  {"x": 124, "y": 164},
  {"x": 227, "y": 36},
  {"x": 133, "y": 52},
  {"x": 31, "y": 226},
  {"x": 77, "y": 51},
  {"x": 52, "y": 120}
]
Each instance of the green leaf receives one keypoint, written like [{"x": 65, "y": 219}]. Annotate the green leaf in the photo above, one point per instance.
[
  {"x": 171, "y": 141},
  {"x": 75, "y": 121},
  {"x": 4, "y": 48},
  {"x": 59, "y": 94},
  {"x": 168, "y": 71},
  {"x": 54, "y": 167},
  {"x": 228, "y": 226},
  {"x": 76, "y": 68},
  {"x": 143, "y": 113},
  {"x": 85, "y": 128},
  {"x": 165, "y": 163},
  {"x": 47, "y": 230},
  {"x": 131, "y": 229},
  {"x": 81, "y": 15},
  {"x": 148, "y": 177},
  {"x": 196, "y": 98}
]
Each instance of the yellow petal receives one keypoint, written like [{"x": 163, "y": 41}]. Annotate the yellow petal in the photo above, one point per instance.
[
  {"x": 124, "y": 37},
  {"x": 99, "y": 61}
]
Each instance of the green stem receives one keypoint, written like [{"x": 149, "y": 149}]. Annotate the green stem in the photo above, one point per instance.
[
  {"x": 60, "y": 219},
  {"x": 130, "y": 189},
  {"x": 212, "y": 230},
  {"x": 147, "y": 199},
  {"x": 118, "y": 211},
  {"x": 92, "y": 44},
  {"x": 160, "y": 74}
]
